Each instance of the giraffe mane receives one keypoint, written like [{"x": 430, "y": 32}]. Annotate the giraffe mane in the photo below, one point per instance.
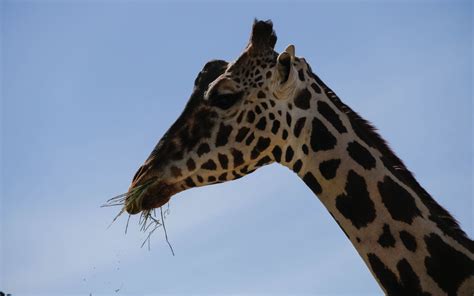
[{"x": 368, "y": 133}]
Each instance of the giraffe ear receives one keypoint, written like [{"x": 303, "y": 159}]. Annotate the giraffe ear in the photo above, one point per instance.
[
  {"x": 290, "y": 49},
  {"x": 284, "y": 62},
  {"x": 284, "y": 66}
]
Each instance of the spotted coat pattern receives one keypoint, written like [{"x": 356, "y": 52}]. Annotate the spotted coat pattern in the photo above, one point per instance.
[{"x": 267, "y": 107}]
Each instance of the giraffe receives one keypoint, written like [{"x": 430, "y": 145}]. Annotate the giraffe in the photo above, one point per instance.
[{"x": 270, "y": 107}]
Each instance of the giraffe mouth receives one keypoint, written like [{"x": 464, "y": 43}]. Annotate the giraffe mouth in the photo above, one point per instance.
[{"x": 150, "y": 195}]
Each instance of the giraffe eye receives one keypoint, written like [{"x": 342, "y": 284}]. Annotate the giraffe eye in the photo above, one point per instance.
[{"x": 224, "y": 101}]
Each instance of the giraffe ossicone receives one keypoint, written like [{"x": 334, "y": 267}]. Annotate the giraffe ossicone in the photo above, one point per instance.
[{"x": 266, "y": 107}]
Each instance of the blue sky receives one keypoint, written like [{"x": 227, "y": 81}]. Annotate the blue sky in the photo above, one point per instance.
[{"x": 88, "y": 88}]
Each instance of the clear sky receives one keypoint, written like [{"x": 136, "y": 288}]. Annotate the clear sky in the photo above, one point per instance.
[{"x": 89, "y": 87}]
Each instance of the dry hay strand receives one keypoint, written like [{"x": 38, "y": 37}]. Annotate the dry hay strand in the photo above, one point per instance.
[{"x": 148, "y": 221}]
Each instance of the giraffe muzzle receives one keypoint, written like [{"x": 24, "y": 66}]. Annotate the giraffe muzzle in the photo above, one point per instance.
[{"x": 150, "y": 196}]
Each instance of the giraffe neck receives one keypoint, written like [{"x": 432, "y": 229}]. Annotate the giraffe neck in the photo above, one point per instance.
[{"x": 409, "y": 242}]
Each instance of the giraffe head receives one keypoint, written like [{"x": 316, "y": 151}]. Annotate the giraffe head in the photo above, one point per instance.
[{"x": 238, "y": 115}]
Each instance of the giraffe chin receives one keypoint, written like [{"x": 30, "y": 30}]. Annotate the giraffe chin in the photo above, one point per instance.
[{"x": 155, "y": 196}]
